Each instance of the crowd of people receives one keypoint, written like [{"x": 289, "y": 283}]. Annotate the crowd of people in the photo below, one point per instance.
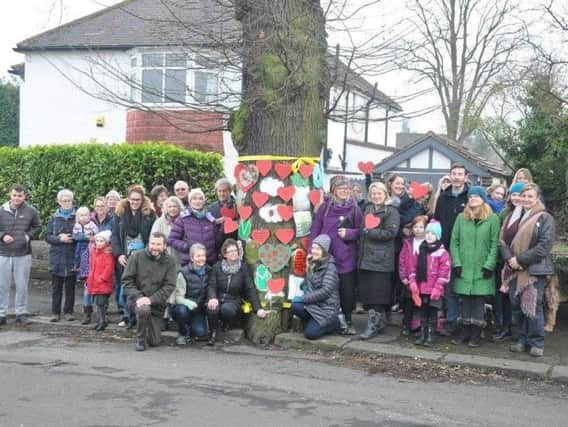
[{"x": 440, "y": 257}]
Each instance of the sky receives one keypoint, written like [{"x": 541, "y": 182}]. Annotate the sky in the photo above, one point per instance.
[{"x": 26, "y": 18}]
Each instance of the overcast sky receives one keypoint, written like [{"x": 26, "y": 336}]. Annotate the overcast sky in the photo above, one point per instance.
[{"x": 26, "y": 18}]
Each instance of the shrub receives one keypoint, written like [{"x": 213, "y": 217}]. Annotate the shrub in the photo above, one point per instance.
[{"x": 91, "y": 170}]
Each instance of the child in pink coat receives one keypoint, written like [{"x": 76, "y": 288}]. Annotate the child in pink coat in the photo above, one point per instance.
[
  {"x": 429, "y": 277},
  {"x": 407, "y": 262}
]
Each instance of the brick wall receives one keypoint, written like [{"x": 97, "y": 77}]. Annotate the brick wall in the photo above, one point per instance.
[{"x": 189, "y": 129}]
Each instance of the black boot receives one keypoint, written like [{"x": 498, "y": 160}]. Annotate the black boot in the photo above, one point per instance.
[
  {"x": 422, "y": 337},
  {"x": 372, "y": 325},
  {"x": 475, "y": 339},
  {"x": 213, "y": 321},
  {"x": 503, "y": 334},
  {"x": 463, "y": 336},
  {"x": 88, "y": 311},
  {"x": 429, "y": 338}
]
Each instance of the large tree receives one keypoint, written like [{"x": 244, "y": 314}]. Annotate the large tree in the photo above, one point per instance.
[{"x": 464, "y": 49}]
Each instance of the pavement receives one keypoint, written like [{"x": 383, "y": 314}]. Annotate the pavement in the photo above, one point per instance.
[{"x": 490, "y": 355}]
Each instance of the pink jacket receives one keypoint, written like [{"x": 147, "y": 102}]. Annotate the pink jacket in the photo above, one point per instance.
[
  {"x": 407, "y": 260},
  {"x": 439, "y": 267}
]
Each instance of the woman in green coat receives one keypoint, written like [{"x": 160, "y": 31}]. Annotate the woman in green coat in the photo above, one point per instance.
[{"x": 474, "y": 246}]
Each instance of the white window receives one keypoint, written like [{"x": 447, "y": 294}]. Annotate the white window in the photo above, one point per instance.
[
  {"x": 164, "y": 77},
  {"x": 205, "y": 86}
]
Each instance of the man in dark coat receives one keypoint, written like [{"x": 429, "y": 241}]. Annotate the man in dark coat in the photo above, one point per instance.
[
  {"x": 149, "y": 279},
  {"x": 224, "y": 206},
  {"x": 19, "y": 224},
  {"x": 450, "y": 204}
]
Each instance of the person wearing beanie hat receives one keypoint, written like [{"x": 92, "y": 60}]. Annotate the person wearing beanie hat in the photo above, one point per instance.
[
  {"x": 429, "y": 277},
  {"x": 318, "y": 307},
  {"x": 478, "y": 191},
  {"x": 516, "y": 187},
  {"x": 340, "y": 218},
  {"x": 473, "y": 247},
  {"x": 100, "y": 281},
  {"x": 323, "y": 241}
]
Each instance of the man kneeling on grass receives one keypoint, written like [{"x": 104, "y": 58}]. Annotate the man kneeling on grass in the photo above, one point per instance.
[{"x": 149, "y": 279}]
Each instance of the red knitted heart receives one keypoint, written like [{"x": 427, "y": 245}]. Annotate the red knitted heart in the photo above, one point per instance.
[
  {"x": 260, "y": 236},
  {"x": 229, "y": 225},
  {"x": 260, "y": 198},
  {"x": 276, "y": 285},
  {"x": 286, "y": 193},
  {"x": 264, "y": 166},
  {"x": 227, "y": 212},
  {"x": 245, "y": 212},
  {"x": 246, "y": 176},
  {"x": 285, "y": 235},
  {"x": 366, "y": 167},
  {"x": 315, "y": 197},
  {"x": 283, "y": 170},
  {"x": 306, "y": 170},
  {"x": 372, "y": 221},
  {"x": 418, "y": 190},
  {"x": 286, "y": 212}
]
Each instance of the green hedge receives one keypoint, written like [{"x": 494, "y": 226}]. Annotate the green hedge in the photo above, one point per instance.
[{"x": 91, "y": 170}]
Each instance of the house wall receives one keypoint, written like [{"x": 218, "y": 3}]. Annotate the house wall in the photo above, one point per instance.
[{"x": 56, "y": 107}]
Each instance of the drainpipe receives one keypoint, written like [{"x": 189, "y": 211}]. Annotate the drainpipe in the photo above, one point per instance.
[{"x": 344, "y": 158}]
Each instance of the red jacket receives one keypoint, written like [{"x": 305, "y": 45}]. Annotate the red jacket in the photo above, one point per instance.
[{"x": 101, "y": 271}]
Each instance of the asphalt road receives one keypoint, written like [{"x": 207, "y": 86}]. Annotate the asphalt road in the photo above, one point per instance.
[{"x": 55, "y": 381}]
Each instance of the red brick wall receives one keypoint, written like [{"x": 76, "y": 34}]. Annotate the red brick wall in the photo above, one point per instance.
[{"x": 189, "y": 129}]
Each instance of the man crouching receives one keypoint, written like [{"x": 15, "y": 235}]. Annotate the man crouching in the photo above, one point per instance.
[{"x": 149, "y": 279}]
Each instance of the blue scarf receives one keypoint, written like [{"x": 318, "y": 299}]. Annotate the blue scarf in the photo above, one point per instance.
[{"x": 65, "y": 213}]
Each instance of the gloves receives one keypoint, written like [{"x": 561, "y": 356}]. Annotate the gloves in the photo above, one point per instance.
[
  {"x": 457, "y": 272},
  {"x": 191, "y": 305},
  {"x": 413, "y": 288},
  {"x": 298, "y": 299},
  {"x": 487, "y": 274},
  {"x": 435, "y": 294},
  {"x": 416, "y": 299}
]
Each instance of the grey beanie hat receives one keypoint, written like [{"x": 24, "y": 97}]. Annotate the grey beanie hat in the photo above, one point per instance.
[{"x": 323, "y": 241}]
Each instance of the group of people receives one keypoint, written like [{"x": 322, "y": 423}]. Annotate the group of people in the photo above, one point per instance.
[
  {"x": 443, "y": 256},
  {"x": 436, "y": 255}
]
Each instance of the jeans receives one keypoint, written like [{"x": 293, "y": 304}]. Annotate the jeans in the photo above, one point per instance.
[
  {"x": 347, "y": 283},
  {"x": 194, "y": 319},
  {"x": 451, "y": 301},
  {"x": 87, "y": 298},
  {"x": 58, "y": 282},
  {"x": 531, "y": 331},
  {"x": 312, "y": 329},
  {"x": 17, "y": 268}
]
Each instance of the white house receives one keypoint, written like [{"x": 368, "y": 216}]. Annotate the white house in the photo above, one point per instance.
[{"x": 144, "y": 70}]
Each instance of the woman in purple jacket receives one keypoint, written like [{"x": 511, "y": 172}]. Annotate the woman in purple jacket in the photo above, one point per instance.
[
  {"x": 340, "y": 218},
  {"x": 194, "y": 225}
]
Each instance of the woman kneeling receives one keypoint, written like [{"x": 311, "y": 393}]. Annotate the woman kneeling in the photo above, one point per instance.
[{"x": 319, "y": 306}]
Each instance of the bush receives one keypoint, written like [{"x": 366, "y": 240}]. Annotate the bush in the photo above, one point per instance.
[{"x": 91, "y": 170}]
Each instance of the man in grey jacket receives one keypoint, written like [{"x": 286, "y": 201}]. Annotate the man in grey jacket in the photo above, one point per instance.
[
  {"x": 19, "y": 224},
  {"x": 149, "y": 279}
]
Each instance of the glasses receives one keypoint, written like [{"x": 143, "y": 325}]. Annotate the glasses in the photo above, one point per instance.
[
  {"x": 232, "y": 250},
  {"x": 66, "y": 200},
  {"x": 134, "y": 200},
  {"x": 177, "y": 190}
]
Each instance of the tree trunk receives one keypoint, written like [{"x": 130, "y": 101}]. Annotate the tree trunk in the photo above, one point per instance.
[
  {"x": 282, "y": 113},
  {"x": 285, "y": 78}
]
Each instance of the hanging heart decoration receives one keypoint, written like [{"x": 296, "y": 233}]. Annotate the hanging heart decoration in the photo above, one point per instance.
[
  {"x": 260, "y": 236},
  {"x": 245, "y": 212},
  {"x": 283, "y": 170},
  {"x": 264, "y": 166},
  {"x": 276, "y": 285},
  {"x": 259, "y": 198},
  {"x": 306, "y": 170},
  {"x": 230, "y": 225},
  {"x": 372, "y": 221},
  {"x": 286, "y": 193},
  {"x": 299, "y": 262},
  {"x": 315, "y": 197},
  {"x": 245, "y": 228},
  {"x": 366, "y": 167},
  {"x": 274, "y": 257},
  {"x": 246, "y": 176},
  {"x": 419, "y": 191},
  {"x": 227, "y": 212},
  {"x": 286, "y": 212},
  {"x": 285, "y": 235},
  {"x": 317, "y": 177}
]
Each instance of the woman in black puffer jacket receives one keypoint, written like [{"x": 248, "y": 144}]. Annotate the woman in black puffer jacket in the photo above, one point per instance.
[{"x": 229, "y": 281}]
